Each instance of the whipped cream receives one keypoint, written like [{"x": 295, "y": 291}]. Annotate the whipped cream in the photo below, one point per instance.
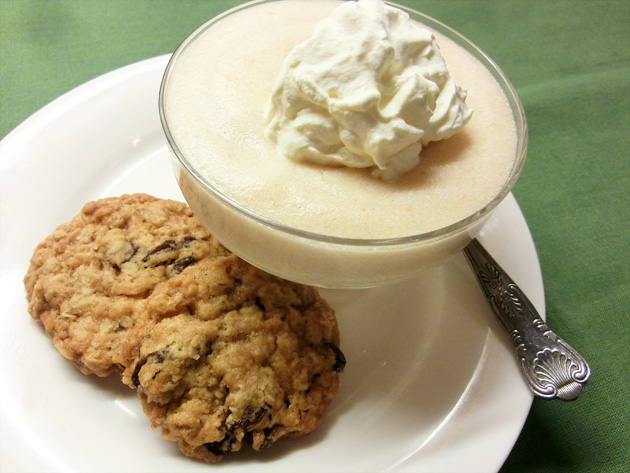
[{"x": 368, "y": 89}]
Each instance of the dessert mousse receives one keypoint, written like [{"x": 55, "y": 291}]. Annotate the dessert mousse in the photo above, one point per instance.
[{"x": 283, "y": 110}]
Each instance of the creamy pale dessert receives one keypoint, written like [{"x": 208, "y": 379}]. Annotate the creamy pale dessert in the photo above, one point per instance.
[{"x": 224, "y": 109}]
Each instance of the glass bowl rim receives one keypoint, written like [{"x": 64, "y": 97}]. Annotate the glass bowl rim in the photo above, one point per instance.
[{"x": 426, "y": 237}]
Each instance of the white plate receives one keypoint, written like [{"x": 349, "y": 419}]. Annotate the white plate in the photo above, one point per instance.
[{"x": 431, "y": 382}]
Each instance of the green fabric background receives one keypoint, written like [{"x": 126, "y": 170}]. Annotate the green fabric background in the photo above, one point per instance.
[{"x": 570, "y": 63}]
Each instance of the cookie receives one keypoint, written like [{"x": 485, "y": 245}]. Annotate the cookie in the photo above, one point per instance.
[
  {"x": 89, "y": 280},
  {"x": 226, "y": 353}
]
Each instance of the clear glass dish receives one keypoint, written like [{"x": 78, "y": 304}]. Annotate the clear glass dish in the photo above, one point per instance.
[{"x": 323, "y": 260}]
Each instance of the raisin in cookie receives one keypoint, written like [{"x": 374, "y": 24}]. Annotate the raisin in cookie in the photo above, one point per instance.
[
  {"x": 89, "y": 280},
  {"x": 227, "y": 353}
]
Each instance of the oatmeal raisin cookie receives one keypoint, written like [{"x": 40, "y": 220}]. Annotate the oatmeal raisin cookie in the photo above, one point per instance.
[
  {"x": 89, "y": 280},
  {"x": 226, "y": 353}
]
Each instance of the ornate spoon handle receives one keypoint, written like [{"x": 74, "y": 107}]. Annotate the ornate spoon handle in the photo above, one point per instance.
[{"x": 552, "y": 367}]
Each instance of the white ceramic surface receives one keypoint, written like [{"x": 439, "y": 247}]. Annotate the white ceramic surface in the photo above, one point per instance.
[{"x": 431, "y": 382}]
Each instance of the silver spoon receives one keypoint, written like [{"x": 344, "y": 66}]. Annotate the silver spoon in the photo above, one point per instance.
[{"x": 553, "y": 369}]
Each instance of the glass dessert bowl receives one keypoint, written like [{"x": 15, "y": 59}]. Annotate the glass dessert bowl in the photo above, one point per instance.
[{"x": 319, "y": 258}]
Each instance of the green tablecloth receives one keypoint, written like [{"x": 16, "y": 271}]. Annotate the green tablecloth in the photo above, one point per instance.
[{"x": 570, "y": 63}]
